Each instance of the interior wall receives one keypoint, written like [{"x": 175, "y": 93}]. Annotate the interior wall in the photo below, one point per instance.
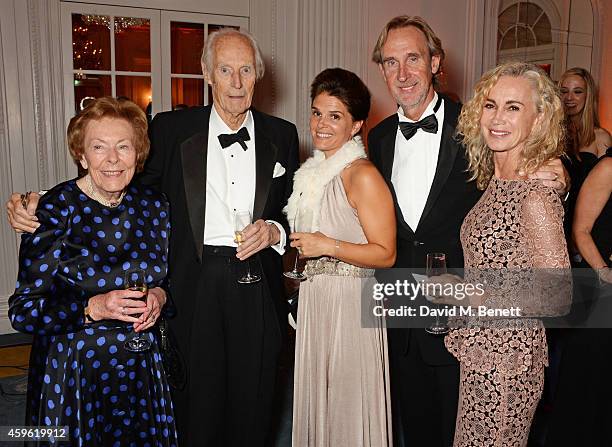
[{"x": 604, "y": 11}]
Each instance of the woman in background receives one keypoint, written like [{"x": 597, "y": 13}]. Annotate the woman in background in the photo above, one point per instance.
[
  {"x": 341, "y": 393},
  {"x": 579, "y": 96},
  {"x": 586, "y": 141}
]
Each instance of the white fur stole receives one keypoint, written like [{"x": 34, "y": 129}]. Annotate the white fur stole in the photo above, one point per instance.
[{"x": 312, "y": 177}]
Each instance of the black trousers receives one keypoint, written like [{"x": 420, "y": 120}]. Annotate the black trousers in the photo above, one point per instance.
[
  {"x": 231, "y": 359},
  {"x": 424, "y": 397}
]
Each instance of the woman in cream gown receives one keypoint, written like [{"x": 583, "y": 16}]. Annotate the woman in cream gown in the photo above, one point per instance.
[{"x": 341, "y": 393}]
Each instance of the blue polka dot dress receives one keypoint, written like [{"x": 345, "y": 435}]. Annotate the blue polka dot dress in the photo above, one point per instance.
[{"x": 81, "y": 376}]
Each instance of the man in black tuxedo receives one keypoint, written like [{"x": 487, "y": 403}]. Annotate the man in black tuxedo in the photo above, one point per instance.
[
  {"x": 426, "y": 169},
  {"x": 211, "y": 162}
]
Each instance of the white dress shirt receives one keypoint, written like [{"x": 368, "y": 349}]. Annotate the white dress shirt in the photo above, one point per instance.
[
  {"x": 414, "y": 165},
  {"x": 230, "y": 183}
]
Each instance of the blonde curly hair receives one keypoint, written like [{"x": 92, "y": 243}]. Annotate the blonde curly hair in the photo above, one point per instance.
[{"x": 545, "y": 141}]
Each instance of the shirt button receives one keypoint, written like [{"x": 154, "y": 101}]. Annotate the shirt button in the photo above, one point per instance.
[{"x": 232, "y": 183}]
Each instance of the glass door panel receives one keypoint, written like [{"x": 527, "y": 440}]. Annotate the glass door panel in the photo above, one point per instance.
[
  {"x": 90, "y": 42},
  {"x": 187, "y": 93},
  {"x": 135, "y": 88},
  {"x": 88, "y": 87},
  {"x": 132, "y": 44},
  {"x": 186, "y": 41}
]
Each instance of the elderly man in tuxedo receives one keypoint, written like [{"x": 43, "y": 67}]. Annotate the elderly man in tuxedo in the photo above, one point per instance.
[
  {"x": 426, "y": 169},
  {"x": 211, "y": 162}
]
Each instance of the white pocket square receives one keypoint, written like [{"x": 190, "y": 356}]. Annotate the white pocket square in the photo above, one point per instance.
[{"x": 278, "y": 170}]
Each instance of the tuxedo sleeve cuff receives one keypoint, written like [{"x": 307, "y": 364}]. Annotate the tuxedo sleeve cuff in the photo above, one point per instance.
[{"x": 280, "y": 247}]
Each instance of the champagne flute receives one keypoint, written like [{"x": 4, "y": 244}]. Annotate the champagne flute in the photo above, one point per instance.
[
  {"x": 242, "y": 219},
  {"x": 436, "y": 266},
  {"x": 135, "y": 279},
  {"x": 302, "y": 223}
]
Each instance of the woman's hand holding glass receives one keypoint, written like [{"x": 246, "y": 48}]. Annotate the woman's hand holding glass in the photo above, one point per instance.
[
  {"x": 156, "y": 299},
  {"x": 313, "y": 245},
  {"x": 122, "y": 305}
]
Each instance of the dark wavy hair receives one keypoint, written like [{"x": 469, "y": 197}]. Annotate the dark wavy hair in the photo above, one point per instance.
[{"x": 347, "y": 87}]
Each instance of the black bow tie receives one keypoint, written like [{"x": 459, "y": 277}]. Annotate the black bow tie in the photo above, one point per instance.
[
  {"x": 428, "y": 124},
  {"x": 227, "y": 139}
]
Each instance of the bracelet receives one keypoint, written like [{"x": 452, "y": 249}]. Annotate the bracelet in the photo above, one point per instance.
[
  {"x": 600, "y": 271},
  {"x": 337, "y": 245}
]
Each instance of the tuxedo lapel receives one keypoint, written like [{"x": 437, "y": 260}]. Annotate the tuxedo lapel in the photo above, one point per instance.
[
  {"x": 446, "y": 160},
  {"x": 265, "y": 158},
  {"x": 194, "y": 153},
  {"x": 387, "y": 153}
]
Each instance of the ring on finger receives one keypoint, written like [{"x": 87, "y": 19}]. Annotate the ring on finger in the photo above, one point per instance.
[
  {"x": 122, "y": 310},
  {"x": 299, "y": 250}
]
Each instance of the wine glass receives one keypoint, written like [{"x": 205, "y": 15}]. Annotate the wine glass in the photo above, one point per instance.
[
  {"x": 302, "y": 223},
  {"x": 242, "y": 219},
  {"x": 436, "y": 266},
  {"x": 135, "y": 279}
]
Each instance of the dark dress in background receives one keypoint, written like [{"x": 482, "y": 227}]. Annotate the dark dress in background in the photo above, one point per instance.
[
  {"x": 81, "y": 376},
  {"x": 581, "y": 410}
]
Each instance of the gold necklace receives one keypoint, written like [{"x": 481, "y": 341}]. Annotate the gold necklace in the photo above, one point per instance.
[{"x": 98, "y": 198}]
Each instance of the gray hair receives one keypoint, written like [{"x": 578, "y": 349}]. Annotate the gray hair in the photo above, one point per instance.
[{"x": 208, "y": 53}]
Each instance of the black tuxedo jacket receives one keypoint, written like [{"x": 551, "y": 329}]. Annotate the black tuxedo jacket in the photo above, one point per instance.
[
  {"x": 177, "y": 167},
  {"x": 450, "y": 198}
]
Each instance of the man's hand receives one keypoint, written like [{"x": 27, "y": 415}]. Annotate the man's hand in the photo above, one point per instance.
[
  {"x": 257, "y": 236},
  {"x": 553, "y": 174},
  {"x": 21, "y": 218}
]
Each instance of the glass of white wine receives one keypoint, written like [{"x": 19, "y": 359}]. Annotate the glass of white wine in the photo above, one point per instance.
[
  {"x": 241, "y": 220},
  {"x": 135, "y": 279},
  {"x": 302, "y": 222}
]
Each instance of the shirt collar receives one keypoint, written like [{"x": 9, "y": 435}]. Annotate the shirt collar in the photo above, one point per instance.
[
  {"x": 217, "y": 126},
  {"x": 426, "y": 112}
]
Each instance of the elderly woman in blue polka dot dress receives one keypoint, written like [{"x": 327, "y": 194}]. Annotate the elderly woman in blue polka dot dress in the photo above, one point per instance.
[{"x": 70, "y": 293}]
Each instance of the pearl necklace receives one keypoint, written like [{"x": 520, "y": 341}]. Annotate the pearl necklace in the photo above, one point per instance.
[{"x": 98, "y": 198}]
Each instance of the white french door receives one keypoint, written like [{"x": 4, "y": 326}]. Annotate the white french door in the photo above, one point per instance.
[{"x": 149, "y": 56}]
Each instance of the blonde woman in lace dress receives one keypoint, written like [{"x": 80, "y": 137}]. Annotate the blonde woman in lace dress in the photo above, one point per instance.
[
  {"x": 514, "y": 235},
  {"x": 341, "y": 391}
]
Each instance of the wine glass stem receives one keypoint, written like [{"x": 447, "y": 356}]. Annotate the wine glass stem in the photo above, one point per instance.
[{"x": 297, "y": 256}]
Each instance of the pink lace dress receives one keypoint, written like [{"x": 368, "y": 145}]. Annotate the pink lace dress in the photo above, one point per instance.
[{"x": 513, "y": 242}]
